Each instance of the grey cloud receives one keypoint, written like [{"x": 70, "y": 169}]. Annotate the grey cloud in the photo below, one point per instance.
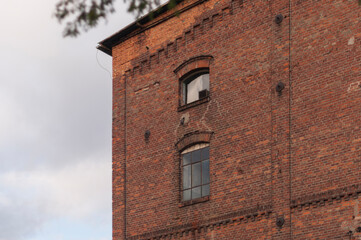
[{"x": 55, "y": 122}]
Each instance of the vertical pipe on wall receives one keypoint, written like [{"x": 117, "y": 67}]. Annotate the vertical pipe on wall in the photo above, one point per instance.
[
  {"x": 125, "y": 157},
  {"x": 290, "y": 114}
]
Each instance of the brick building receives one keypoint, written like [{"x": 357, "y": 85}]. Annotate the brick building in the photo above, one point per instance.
[{"x": 238, "y": 119}]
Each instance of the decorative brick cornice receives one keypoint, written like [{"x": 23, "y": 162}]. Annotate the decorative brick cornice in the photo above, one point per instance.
[
  {"x": 143, "y": 24},
  {"x": 327, "y": 197},
  {"x": 146, "y": 62},
  {"x": 243, "y": 216},
  {"x": 192, "y": 138}
]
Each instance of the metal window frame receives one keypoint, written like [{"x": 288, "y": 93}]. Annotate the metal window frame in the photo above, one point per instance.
[{"x": 191, "y": 173}]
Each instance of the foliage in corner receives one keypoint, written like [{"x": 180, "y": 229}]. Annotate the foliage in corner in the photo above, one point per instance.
[
  {"x": 81, "y": 15},
  {"x": 85, "y": 14}
]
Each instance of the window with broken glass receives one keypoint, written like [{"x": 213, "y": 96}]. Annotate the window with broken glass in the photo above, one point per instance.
[{"x": 195, "y": 172}]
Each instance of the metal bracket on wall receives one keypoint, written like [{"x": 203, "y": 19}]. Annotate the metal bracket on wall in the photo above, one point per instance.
[
  {"x": 280, "y": 221},
  {"x": 279, "y": 87},
  {"x": 147, "y": 135},
  {"x": 279, "y": 18}
]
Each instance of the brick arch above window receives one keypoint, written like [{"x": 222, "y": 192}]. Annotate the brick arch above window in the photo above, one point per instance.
[
  {"x": 193, "y": 138},
  {"x": 194, "y": 63}
]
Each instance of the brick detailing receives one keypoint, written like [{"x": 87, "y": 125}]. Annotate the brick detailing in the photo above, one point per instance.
[
  {"x": 145, "y": 63},
  {"x": 244, "y": 216},
  {"x": 192, "y": 138},
  {"x": 192, "y": 64},
  {"x": 146, "y": 88},
  {"x": 320, "y": 199}
]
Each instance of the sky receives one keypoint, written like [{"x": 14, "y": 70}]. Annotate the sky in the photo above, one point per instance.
[{"x": 55, "y": 126}]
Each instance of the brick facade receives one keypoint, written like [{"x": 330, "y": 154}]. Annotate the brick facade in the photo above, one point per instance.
[{"x": 283, "y": 164}]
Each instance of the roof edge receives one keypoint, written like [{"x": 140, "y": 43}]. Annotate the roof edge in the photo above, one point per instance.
[
  {"x": 104, "y": 49},
  {"x": 137, "y": 27}
]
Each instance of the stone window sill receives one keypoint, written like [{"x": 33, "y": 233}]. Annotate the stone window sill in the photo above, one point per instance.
[{"x": 194, "y": 201}]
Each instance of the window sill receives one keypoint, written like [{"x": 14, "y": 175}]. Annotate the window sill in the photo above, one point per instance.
[
  {"x": 194, "y": 201},
  {"x": 193, "y": 104}
]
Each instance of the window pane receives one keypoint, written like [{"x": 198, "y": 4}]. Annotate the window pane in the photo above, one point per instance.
[
  {"x": 184, "y": 92},
  {"x": 205, "y": 190},
  {"x": 187, "y": 195},
  {"x": 195, "y": 86},
  {"x": 196, "y": 192},
  {"x": 205, "y": 81},
  {"x": 193, "y": 89},
  {"x": 196, "y": 174},
  {"x": 205, "y": 153},
  {"x": 187, "y": 158},
  {"x": 196, "y": 156},
  {"x": 205, "y": 172},
  {"x": 187, "y": 177}
]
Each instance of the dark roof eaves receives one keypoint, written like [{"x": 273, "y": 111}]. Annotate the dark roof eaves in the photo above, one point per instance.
[{"x": 136, "y": 27}]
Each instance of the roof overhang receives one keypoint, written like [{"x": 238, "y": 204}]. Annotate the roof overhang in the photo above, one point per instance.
[{"x": 141, "y": 25}]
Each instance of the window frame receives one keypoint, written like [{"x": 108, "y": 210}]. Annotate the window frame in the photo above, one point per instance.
[
  {"x": 186, "y": 80},
  {"x": 194, "y": 147},
  {"x": 183, "y": 73}
]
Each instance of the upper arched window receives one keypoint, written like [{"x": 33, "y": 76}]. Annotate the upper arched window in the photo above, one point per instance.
[
  {"x": 195, "y": 86},
  {"x": 194, "y": 81}
]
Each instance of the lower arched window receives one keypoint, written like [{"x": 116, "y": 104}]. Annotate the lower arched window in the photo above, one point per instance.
[{"x": 195, "y": 172}]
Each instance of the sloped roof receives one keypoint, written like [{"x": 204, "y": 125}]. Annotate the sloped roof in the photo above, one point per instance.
[
  {"x": 135, "y": 27},
  {"x": 141, "y": 25}
]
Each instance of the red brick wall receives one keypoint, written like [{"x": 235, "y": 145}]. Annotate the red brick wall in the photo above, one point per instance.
[{"x": 290, "y": 154}]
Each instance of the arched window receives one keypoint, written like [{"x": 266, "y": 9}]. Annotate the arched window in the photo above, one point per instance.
[
  {"x": 195, "y": 172},
  {"x": 195, "y": 86},
  {"x": 194, "y": 78}
]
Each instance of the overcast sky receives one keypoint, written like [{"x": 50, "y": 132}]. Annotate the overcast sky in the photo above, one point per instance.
[{"x": 55, "y": 126}]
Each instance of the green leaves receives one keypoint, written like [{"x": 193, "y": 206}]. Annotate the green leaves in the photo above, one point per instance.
[
  {"x": 84, "y": 14},
  {"x": 141, "y": 7}
]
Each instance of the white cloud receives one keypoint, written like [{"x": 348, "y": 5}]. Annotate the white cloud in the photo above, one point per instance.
[
  {"x": 29, "y": 198},
  {"x": 78, "y": 191},
  {"x": 55, "y": 125}
]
